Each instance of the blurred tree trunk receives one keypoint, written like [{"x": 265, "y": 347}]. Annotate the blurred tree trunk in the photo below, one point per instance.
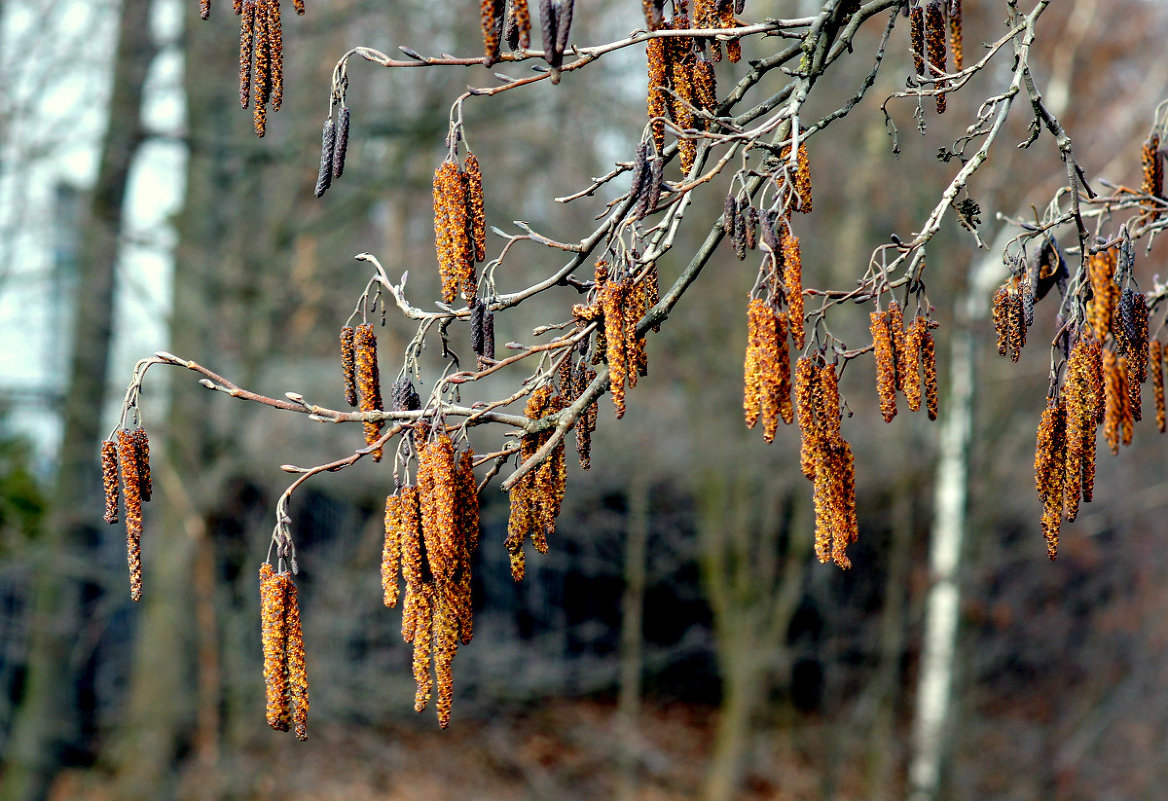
[
  {"x": 752, "y": 568},
  {"x": 931, "y": 721},
  {"x": 632, "y": 631},
  {"x": 175, "y": 694},
  {"x": 47, "y": 722}
]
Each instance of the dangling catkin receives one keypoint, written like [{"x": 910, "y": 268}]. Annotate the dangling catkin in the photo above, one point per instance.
[
  {"x": 929, "y": 365},
  {"x": 342, "y": 146},
  {"x": 885, "y": 366},
  {"x": 1156, "y": 360},
  {"x": 793, "y": 281},
  {"x": 297, "y": 670},
  {"x": 803, "y": 179},
  {"x": 896, "y": 332},
  {"x": 276, "y": 53},
  {"x": 131, "y": 491},
  {"x": 328, "y": 142},
  {"x": 142, "y": 456},
  {"x": 368, "y": 383},
  {"x": 1153, "y": 184},
  {"x": 807, "y": 394},
  {"x": 246, "y": 50},
  {"x": 476, "y": 213},
  {"x": 349, "y": 365},
  {"x": 935, "y": 35},
  {"x": 917, "y": 39},
  {"x": 391, "y": 550},
  {"x": 909, "y": 369},
  {"x": 273, "y": 611},
  {"x": 109, "y": 477},
  {"x": 955, "y": 35},
  {"x": 1049, "y": 465}
]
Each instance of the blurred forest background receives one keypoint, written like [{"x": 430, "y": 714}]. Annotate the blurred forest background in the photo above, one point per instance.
[{"x": 679, "y": 640}]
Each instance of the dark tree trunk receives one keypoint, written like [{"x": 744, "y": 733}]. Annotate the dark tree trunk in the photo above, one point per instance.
[{"x": 47, "y": 726}]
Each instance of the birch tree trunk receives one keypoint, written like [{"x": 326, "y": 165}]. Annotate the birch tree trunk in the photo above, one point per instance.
[{"x": 931, "y": 722}]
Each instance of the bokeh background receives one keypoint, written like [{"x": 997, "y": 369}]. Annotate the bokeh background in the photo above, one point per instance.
[{"x": 679, "y": 641}]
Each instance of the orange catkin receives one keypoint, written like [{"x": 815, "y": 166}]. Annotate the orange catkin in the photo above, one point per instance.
[
  {"x": 1049, "y": 475},
  {"x": 807, "y": 396},
  {"x": 131, "y": 490},
  {"x": 929, "y": 366},
  {"x": 1153, "y": 184},
  {"x": 349, "y": 365},
  {"x": 793, "y": 280},
  {"x": 476, "y": 212},
  {"x": 658, "y": 95},
  {"x": 752, "y": 390},
  {"x": 803, "y": 179},
  {"x": 1156, "y": 363},
  {"x": 274, "y": 635},
  {"x": 935, "y": 36},
  {"x": 391, "y": 550},
  {"x": 909, "y": 369},
  {"x": 885, "y": 365},
  {"x": 294, "y": 659},
  {"x": 368, "y": 383},
  {"x": 956, "y": 44},
  {"x": 917, "y": 39}
]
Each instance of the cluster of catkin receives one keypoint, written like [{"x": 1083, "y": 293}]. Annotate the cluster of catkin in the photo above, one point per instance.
[
  {"x": 1153, "y": 168},
  {"x": 362, "y": 377},
  {"x": 648, "y": 176},
  {"x": 261, "y": 56},
  {"x": 285, "y": 674},
  {"x": 460, "y": 226},
  {"x": 334, "y": 145},
  {"x": 931, "y": 25},
  {"x": 1064, "y": 459},
  {"x": 904, "y": 356},
  {"x": 682, "y": 84},
  {"x": 1013, "y": 313},
  {"x": 536, "y": 498},
  {"x": 129, "y": 459},
  {"x": 826, "y": 459},
  {"x": 431, "y": 530},
  {"x": 617, "y": 305}
]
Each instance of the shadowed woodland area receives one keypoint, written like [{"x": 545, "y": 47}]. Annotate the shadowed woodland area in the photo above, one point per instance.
[{"x": 686, "y": 635}]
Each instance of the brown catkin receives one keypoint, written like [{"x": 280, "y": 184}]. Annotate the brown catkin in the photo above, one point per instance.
[
  {"x": 1016, "y": 330},
  {"x": 793, "y": 281},
  {"x": 752, "y": 382},
  {"x": 246, "y": 49},
  {"x": 128, "y": 464},
  {"x": 1001, "y": 316},
  {"x": 909, "y": 369},
  {"x": 204, "y": 9},
  {"x": 1092, "y": 371},
  {"x": 274, "y": 638},
  {"x": 109, "y": 478},
  {"x": 1105, "y": 292},
  {"x": 929, "y": 366},
  {"x": 490, "y": 12},
  {"x": 1153, "y": 184},
  {"x": 935, "y": 36},
  {"x": 807, "y": 395},
  {"x": 1156, "y": 363},
  {"x": 658, "y": 96},
  {"x": 612, "y": 298},
  {"x": 956, "y": 44},
  {"x": 768, "y": 358},
  {"x": 1138, "y": 345},
  {"x": 885, "y": 367},
  {"x": 1127, "y": 410},
  {"x": 261, "y": 87},
  {"x": 803, "y": 179},
  {"x": 1115, "y": 396},
  {"x": 391, "y": 551},
  {"x": 1049, "y": 464},
  {"x": 476, "y": 211},
  {"x": 142, "y": 455},
  {"x": 296, "y": 667},
  {"x": 521, "y": 13},
  {"x": 368, "y": 383},
  {"x": 423, "y": 644},
  {"x": 917, "y": 39},
  {"x": 896, "y": 332},
  {"x": 299, "y": 6},
  {"x": 445, "y": 647},
  {"x": 276, "y": 53},
  {"x": 349, "y": 365}
]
